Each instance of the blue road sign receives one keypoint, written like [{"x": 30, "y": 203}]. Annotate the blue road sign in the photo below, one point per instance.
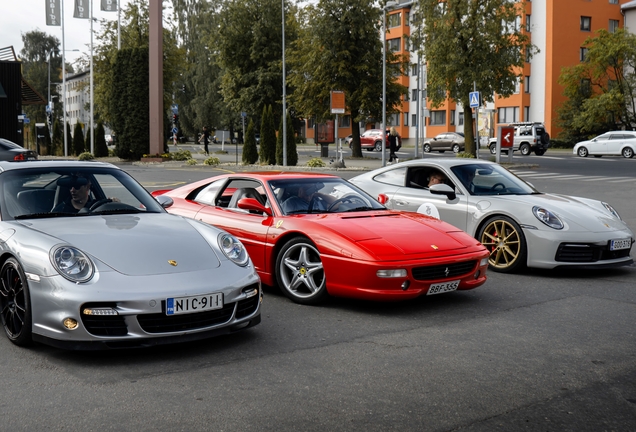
[
  {"x": 474, "y": 99},
  {"x": 243, "y": 114},
  {"x": 175, "y": 130},
  {"x": 174, "y": 108}
]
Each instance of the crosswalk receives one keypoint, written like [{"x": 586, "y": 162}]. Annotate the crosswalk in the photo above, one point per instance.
[{"x": 571, "y": 177}]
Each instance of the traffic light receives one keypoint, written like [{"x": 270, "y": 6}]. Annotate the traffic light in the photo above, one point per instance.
[{"x": 175, "y": 119}]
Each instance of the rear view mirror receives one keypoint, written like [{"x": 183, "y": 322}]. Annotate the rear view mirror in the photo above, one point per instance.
[{"x": 383, "y": 199}]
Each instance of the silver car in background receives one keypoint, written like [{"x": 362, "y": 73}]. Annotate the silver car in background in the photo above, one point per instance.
[{"x": 118, "y": 273}]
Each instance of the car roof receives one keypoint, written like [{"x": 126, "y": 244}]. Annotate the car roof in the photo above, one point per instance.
[
  {"x": 9, "y": 166},
  {"x": 442, "y": 162}
]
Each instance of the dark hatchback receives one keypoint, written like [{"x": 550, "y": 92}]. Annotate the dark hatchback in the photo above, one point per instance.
[{"x": 10, "y": 151}]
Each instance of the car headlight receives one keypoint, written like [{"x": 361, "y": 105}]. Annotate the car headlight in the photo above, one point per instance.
[
  {"x": 72, "y": 263},
  {"x": 233, "y": 249},
  {"x": 612, "y": 210},
  {"x": 547, "y": 217}
]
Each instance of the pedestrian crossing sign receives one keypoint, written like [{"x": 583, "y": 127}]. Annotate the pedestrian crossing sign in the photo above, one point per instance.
[{"x": 474, "y": 99}]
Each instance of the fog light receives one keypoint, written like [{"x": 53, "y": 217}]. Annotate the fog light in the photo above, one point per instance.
[
  {"x": 477, "y": 274},
  {"x": 70, "y": 323},
  {"x": 483, "y": 262},
  {"x": 100, "y": 311},
  {"x": 405, "y": 285},
  {"x": 391, "y": 273}
]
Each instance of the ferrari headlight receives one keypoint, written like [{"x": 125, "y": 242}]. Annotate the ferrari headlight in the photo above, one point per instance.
[
  {"x": 611, "y": 209},
  {"x": 547, "y": 217},
  {"x": 72, "y": 263},
  {"x": 233, "y": 249}
]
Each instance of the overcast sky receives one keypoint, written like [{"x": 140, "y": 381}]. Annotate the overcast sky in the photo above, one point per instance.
[{"x": 22, "y": 16}]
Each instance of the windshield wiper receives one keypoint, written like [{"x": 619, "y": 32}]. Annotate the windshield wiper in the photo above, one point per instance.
[
  {"x": 361, "y": 208},
  {"x": 116, "y": 211},
  {"x": 47, "y": 215}
]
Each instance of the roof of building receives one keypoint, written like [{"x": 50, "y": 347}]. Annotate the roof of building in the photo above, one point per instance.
[{"x": 628, "y": 5}]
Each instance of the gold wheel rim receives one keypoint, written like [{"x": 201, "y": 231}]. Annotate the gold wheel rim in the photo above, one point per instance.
[{"x": 503, "y": 242}]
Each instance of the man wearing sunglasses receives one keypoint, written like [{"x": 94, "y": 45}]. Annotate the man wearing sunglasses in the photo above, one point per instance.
[{"x": 79, "y": 188}]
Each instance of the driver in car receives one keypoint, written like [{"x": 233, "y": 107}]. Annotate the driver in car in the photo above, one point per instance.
[
  {"x": 300, "y": 202},
  {"x": 80, "y": 190}
]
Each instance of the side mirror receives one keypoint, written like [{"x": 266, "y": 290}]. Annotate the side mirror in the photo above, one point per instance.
[
  {"x": 383, "y": 199},
  {"x": 253, "y": 204},
  {"x": 164, "y": 201},
  {"x": 443, "y": 189}
]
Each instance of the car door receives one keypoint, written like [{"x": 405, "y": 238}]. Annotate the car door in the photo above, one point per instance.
[
  {"x": 440, "y": 142},
  {"x": 614, "y": 144},
  {"x": 598, "y": 145}
]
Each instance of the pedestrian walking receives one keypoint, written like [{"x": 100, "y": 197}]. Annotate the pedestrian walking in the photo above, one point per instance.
[
  {"x": 205, "y": 137},
  {"x": 394, "y": 143}
]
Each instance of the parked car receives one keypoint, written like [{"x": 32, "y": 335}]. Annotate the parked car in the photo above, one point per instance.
[
  {"x": 316, "y": 234},
  {"x": 109, "y": 139},
  {"x": 610, "y": 143},
  {"x": 529, "y": 137},
  {"x": 10, "y": 151},
  {"x": 453, "y": 141},
  {"x": 117, "y": 273},
  {"x": 519, "y": 225},
  {"x": 371, "y": 139},
  {"x": 348, "y": 140}
]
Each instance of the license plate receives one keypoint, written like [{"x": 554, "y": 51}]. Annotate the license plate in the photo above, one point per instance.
[
  {"x": 443, "y": 287},
  {"x": 620, "y": 244},
  {"x": 194, "y": 304}
]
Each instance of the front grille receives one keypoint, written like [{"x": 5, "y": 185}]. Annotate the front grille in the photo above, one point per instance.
[
  {"x": 443, "y": 271},
  {"x": 162, "y": 323},
  {"x": 247, "y": 307},
  {"x": 104, "y": 325},
  {"x": 587, "y": 253}
]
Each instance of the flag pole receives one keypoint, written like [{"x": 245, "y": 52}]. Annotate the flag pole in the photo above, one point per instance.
[{"x": 64, "y": 81}]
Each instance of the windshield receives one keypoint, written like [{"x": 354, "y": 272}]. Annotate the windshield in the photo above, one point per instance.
[
  {"x": 63, "y": 192},
  {"x": 320, "y": 195},
  {"x": 487, "y": 179}
]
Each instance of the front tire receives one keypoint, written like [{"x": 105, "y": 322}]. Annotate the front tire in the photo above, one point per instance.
[
  {"x": 456, "y": 148},
  {"x": 493, "y": 148},
  {"x": 378, "y": 146},
  {"x": 628, "y": 152},
  {"x": 582, "y": 152},
  {"x": 427, "y": 148},
  {"x": 525, "y": 149},
  {"x": 15, "y": 303},
  {"x": 506, "y": 243},
  {"x": 299, "y": 272}
]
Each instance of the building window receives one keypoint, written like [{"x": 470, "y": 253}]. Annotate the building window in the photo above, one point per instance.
[
  {"x": 526, "y": 84},
  {"x": 613, "y": 26},
  {"x": 394, "y": 20},
  {"x": 414, "y": 119},
  {"x": 526, "y": 114},
  {"x": 582, "y": 54},
  {"x": 405, "y": 97},
  {"x": 528, "y": 55},
  {"x": 393, "y": 44},
  {"x": 438, "y": 118},
  {"x": 517, "y": 85},
  {"x": 586, "y": 23},
  {"x": 414, "y": 94},
  {"x": 407, "y": 18},
  {"x": 460, "y": 119},
  {"x": 528, "y": 23},
  {"x": 345, "y": 121},
  {"x": 413, "y": 70},
  {"x": 452, "y": 118},
  {"x": 406, "y": 119},
  {"x": 613, "y": 1},
  {"x": 394, "y": 119},
  {"x": 508, "y": 114}
]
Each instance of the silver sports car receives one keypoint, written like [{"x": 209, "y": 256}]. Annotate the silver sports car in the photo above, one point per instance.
[
  {"x": 90, "y": 260},
  {"x": 519, "y": 225}
]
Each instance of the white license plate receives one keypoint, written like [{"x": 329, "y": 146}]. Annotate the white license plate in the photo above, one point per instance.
[
  {"x": 194, "y": 304},
  {"x": 620, "y": 244},
  {"x": 439, "y": 288}
]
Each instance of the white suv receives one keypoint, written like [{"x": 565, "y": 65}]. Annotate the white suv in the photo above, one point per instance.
[{"x": 529, "y": 137}]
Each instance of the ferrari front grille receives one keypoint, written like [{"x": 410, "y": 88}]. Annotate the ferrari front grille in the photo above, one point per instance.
[{"x": 443, "y": 271}]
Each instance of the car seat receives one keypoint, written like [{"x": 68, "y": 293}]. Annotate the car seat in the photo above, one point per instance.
[{"x": 241, "y": 193}]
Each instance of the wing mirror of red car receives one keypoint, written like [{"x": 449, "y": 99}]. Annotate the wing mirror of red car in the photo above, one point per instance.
[
  {"x": 383, "y": 199},
  {"x": 253, "y": 204}
]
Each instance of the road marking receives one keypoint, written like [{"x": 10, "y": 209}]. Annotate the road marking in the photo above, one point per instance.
[{"x": 628, "y": 179}]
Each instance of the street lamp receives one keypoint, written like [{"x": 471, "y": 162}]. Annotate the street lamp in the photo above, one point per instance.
[
  {"x": 284, "y": 131},
  {"x": 388, "y": 5}
]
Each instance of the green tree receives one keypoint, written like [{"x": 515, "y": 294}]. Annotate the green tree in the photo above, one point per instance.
[
  {"x": 601, "y": 91},
  {"x": 468, "y": 44},
  {"x": 79, "y": 145},
  {"x": 69, "y": 140},
  {"x": 57, "y": 139},
  {"x": 292, "y": 151},
  {"x": 267, "y": 152},
  {"x": 101, "y": 148},
  {"x": 250, "y": 152}
]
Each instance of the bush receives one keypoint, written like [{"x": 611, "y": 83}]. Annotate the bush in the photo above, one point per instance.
[
  {"x": 181, "y": 155},
  {"x": 316, "y": 163},
  {"x": 191, "y": 162},
  {"x": 212, "y": 161},
  {"x": 86, "y": 156},
  {"x": 560, "y": 144},
  {"x": 465, "y": 155}
]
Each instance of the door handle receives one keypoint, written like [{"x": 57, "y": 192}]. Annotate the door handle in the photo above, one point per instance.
[{"x": 401, "y": 203}]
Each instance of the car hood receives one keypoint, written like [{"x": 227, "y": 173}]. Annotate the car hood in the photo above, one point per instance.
[
  {"x": 579, "y": 214},
  {"x": 135, "y": 245},
  {"x": 390, "y": 235}
]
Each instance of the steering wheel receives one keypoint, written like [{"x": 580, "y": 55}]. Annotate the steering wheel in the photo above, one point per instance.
[
  {"x": 495, "y": 187},
  {"x": 315, "y": 203},
  {"x": 99, "y": 203},
  {"x": 347, "y": 198}
]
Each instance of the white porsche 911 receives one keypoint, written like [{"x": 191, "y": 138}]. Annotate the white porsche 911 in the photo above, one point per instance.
[{"x": 519, "y": 225}]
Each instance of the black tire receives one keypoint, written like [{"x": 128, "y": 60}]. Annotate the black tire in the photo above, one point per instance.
[
  {"x": 427, "y": 148},
  {"x": 15, "y": 303},
  {"x": 378, "y": 146},
  {"x": 456, "y": 148},
  {"x": 506, "y": 243},
  {"x": 628, "y": 152},
  {"x": 582, "y": 152},
  {"x": 598, "y": 156},
  {"x": 493, "y": 148},
  {"x": 299, "y": 272},
  {"x": 545, "y": 138},
  {"x": 525, "y": 149},
  {"x": 539, "y": 152}
]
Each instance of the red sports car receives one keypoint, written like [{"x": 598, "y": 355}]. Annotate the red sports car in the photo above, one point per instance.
[{"x": 317, "y": 234}]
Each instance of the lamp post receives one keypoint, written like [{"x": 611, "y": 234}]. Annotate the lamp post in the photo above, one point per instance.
[
  {"x": 284, "y": 131},
  {"x": 388, "y": 5}
]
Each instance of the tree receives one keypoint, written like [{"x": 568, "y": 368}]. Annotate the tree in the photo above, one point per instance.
[
  {"x": 267, "y": 152},
  {"x": 601, "y": 91},
  {"x": 79, "y": 146},
  {"x": 250, "y": 152},
  {"x": 341, "y": 49},
  {"x": 468, "y": 44},
  {"x": 69, "y": 138},
  {"x": 292, "y": 152},
  {"x": 101, "y": 148},
  {"x": 57, "y": 139}
]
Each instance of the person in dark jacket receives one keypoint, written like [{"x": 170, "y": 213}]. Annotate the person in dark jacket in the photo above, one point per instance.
[
  {"x": 393, "y": 145},
  {"x": 205, "y": 137}
]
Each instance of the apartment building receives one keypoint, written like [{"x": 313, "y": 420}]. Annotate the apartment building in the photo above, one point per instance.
[
  {"x": 558, "y": 28},
  {"x": 77, "y": 98}
]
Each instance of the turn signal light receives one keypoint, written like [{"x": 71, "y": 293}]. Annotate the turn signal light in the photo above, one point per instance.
[{"x": 100, "y": 311}]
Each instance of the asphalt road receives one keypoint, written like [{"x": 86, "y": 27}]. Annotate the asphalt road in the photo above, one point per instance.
[{"x": 537, "y": 351}]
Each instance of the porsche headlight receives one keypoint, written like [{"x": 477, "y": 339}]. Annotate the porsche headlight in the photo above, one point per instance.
[
  {"x": 547, "y": 217},
  {"x": 233, "y": 249},
  {"x": 611, "y": 209},
  {"x": 72, "y": 263}
]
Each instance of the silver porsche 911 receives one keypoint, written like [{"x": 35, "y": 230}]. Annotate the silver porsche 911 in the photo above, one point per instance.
[
  {"x": 519, "y": 225},
  {"x": 90, "y": 260}
]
